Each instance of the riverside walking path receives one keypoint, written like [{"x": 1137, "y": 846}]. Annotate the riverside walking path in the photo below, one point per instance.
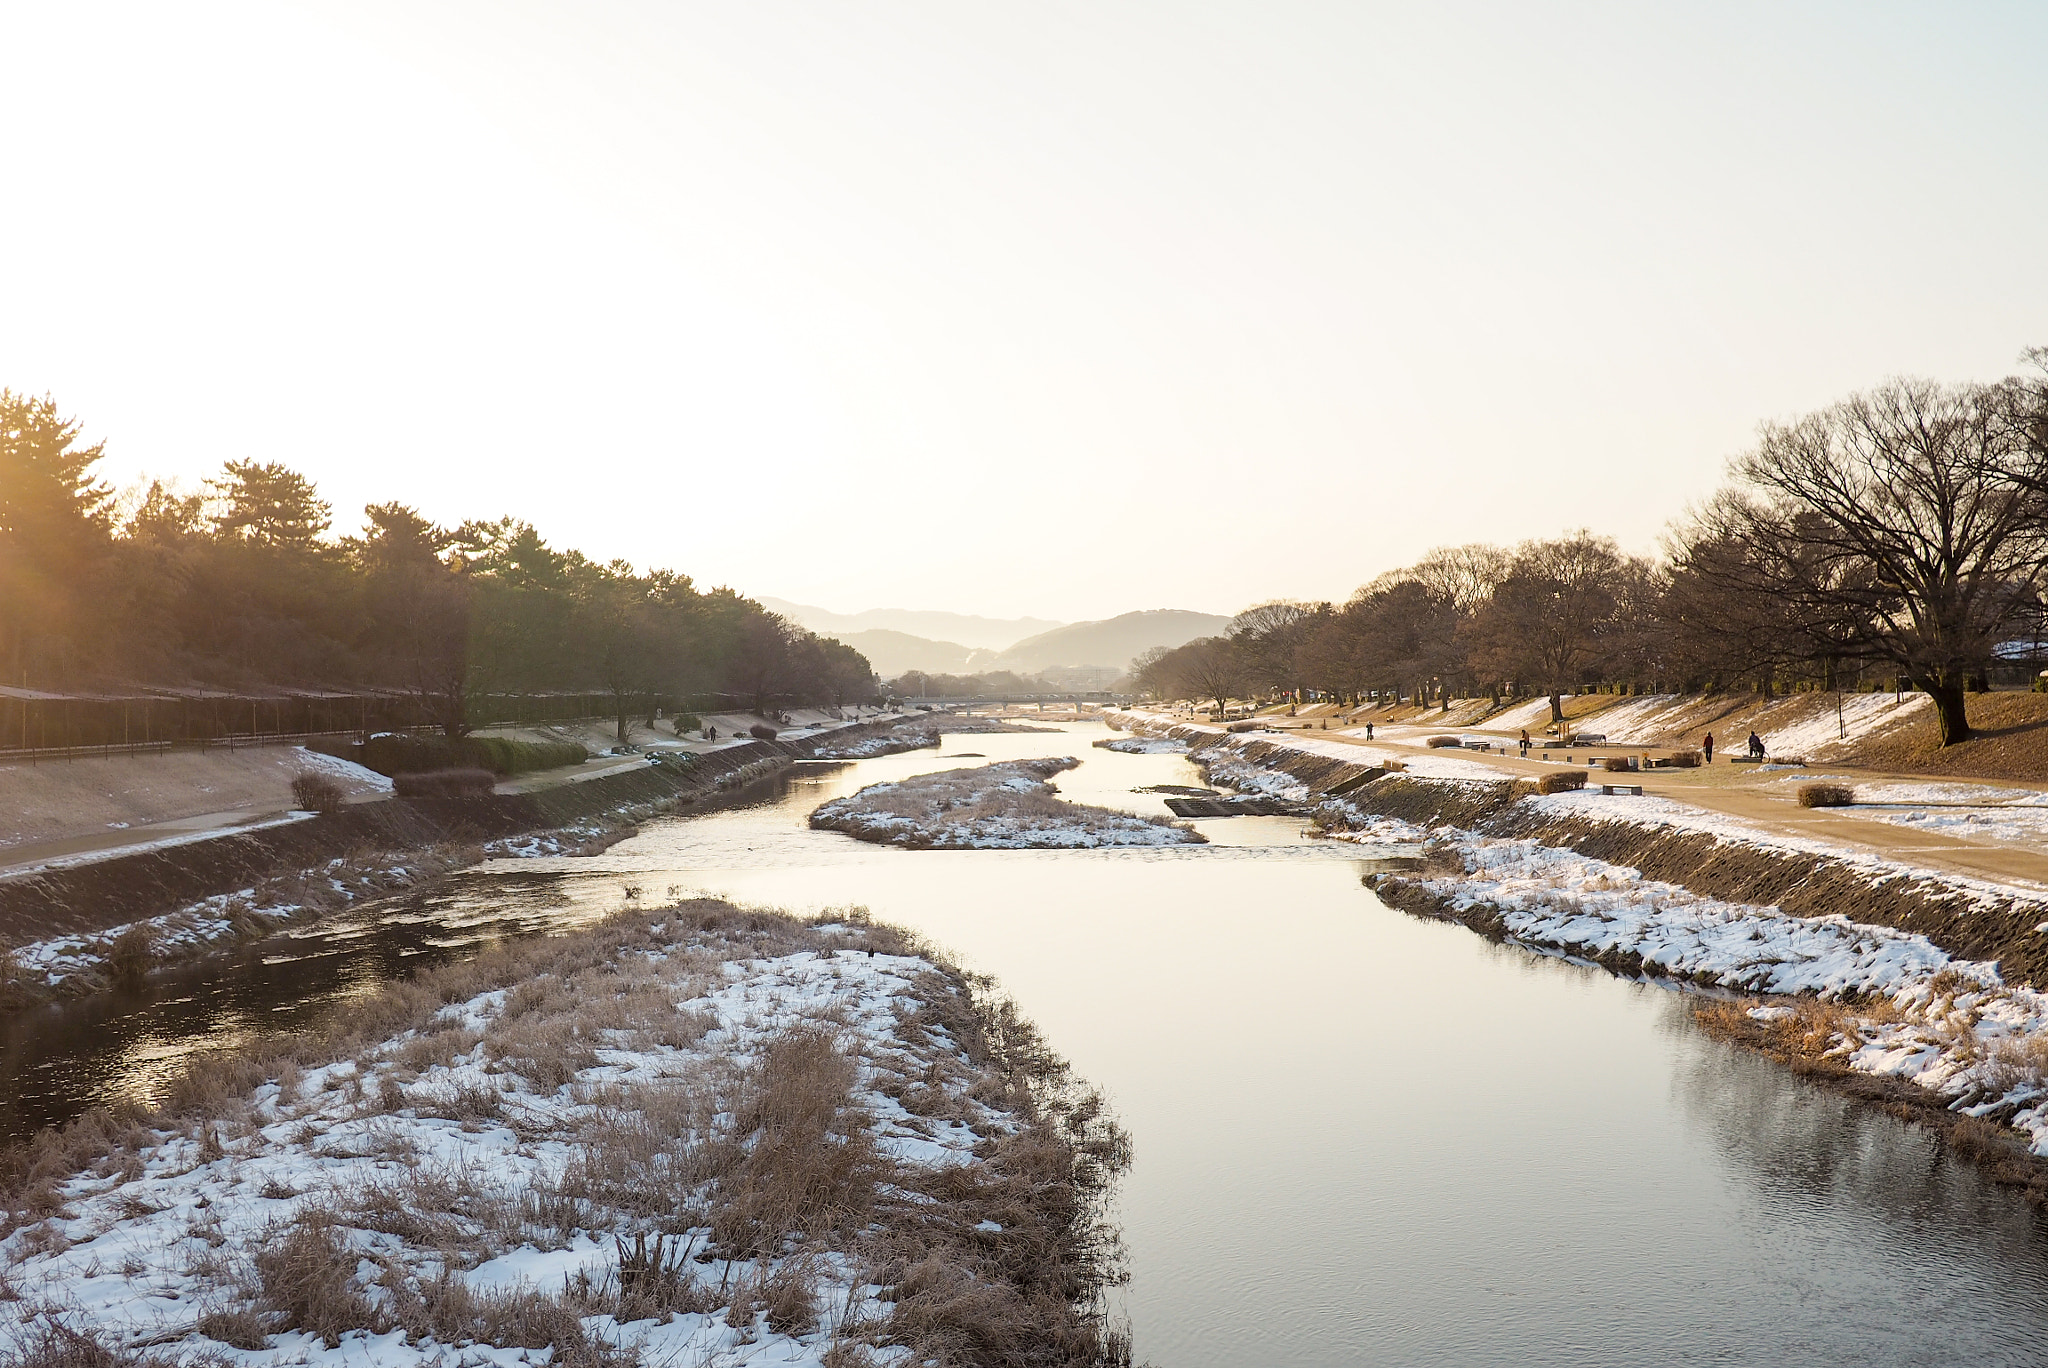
[
  {"x": 25, "y": 856},
  {"x": 1767, "y": 798}
]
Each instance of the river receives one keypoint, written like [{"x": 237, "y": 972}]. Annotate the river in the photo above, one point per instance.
[{"x": 1361, "y": 1137}]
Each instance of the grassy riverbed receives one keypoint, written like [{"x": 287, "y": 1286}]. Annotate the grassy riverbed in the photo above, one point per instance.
[{"x": 682, "y": 1133}]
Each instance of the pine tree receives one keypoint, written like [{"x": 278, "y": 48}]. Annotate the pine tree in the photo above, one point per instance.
[{"x": 54, "y": 531}]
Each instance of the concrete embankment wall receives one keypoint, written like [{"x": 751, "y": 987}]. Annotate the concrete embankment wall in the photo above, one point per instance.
[
  {"x": 94, "y": 896},
  {"x": 1968, "y": 921}
]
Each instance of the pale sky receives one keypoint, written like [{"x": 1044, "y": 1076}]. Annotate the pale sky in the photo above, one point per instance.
[{"x": 1022, "y": 308}]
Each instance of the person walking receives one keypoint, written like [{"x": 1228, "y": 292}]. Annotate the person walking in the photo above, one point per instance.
[
  {"x": 1368, "y": 731},
  {"x": 1708, "y": 746},
  {"x": 1756, "y": 746},
  {"x": 1525, "y": 743}
]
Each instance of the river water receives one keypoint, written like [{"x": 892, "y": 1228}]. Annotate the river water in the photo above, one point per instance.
[{"x": 1361, "y": 1137}]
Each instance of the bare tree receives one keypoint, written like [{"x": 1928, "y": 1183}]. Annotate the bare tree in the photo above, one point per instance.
[
  {"x": 1269, "y": 638},
  {"x": 1551, "y": 621},
  {"x": 1920, "y": 528},
  {"x": 1463, "y": 575},
  {"x": 1145, "y": 672},
  {"x": 1207, "y": 667}
]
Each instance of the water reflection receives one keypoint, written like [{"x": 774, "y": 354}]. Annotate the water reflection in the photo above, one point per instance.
[{"x": 1362, "y": 1137}]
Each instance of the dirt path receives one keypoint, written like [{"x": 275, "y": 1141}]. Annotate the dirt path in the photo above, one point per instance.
[{"x": 1764, "y": 798}]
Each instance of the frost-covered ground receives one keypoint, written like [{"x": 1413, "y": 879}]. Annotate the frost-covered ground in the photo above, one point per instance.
[
  {"x": 2014, "y": 824},
  {"x": 880, "y": 743},
  {"x": 699, "y": 1136},
  {"x": 1009, "y": 805},
  {"x": 1145, "y": 745},
  {"x": 1898, "y": 1005}
]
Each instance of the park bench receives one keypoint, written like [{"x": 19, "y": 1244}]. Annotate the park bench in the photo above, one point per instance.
[{"x": 1610, "y": 789}]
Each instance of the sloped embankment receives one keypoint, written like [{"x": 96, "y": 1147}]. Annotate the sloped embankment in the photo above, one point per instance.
[
  {"x": 119, "y": 889},
  {"x": 1975, "y": 922},
  {"x": 1965, "y": 919}
]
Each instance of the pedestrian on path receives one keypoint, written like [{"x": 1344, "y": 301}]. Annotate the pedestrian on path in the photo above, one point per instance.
[
  {"x": 1708, "y": 746},
  {"x": 1368, "y": 731},
  {"x": 1756, "y": 746},
  {"x": 1525, "y": 743}
]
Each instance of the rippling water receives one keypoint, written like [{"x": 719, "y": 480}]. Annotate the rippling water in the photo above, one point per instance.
[{"x": 1361, "y": 1138}]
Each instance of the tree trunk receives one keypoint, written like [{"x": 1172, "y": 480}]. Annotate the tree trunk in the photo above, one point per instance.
[
  {"x": 1949, "y": 711},
  {"x": 1556, "y": 706}
]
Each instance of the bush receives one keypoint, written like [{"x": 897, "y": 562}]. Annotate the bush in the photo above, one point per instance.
[
  {"x": 317, "y": 793},
  {"x": 395, "y": 753},
  {"x": 686, "y": 722},
  {"x": 1439, "y": 742},
  {"x": 1615, "y": 764},
  {"x": 447, "y": 783},
  {"x": 1825, "y": 795},
  {"x": 1563, "y": 781},
  {"x": 761, "y": 731},
  {"x": 1686, "y": 760}
]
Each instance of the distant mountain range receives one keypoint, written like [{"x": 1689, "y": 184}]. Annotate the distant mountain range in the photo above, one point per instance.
[
  {"x": 977, "y": 633},
  {"x": 1112, "y": 641},
  {"x": 891, "y": 653}
]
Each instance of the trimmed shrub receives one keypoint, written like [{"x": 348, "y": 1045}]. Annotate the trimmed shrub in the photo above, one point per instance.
[
  {"x": 761, "y": 731},
  {"x": 1439, "y": 742},
  {"x": 686, "y": 722},
  {"x": 1686, "y": 760},
  {"x": 1615, "y": 764},
  {"x": 317, "y": 793},
  {"x": 394, "y": 753},
  {"x": 1825, "y": 795},
  {"x": 501, "y": 755},
  {"x": 1563, "y": 781},
  {"x": 447, "y": 783}
]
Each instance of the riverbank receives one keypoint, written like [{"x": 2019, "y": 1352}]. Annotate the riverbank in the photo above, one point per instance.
[
  {"x": 1010, "y": 806},
  {"x": 685, "y": 1132},
  {"x": 1901, "y": 976},
  {"x": 85, "y": 926}
]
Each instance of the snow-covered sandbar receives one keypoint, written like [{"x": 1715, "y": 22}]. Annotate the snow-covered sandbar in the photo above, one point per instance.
[{"x": 1010, "y": 805}]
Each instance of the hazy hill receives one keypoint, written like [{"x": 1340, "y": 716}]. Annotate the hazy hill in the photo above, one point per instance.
[
  {"x": 1112, "y": 641},
  {"x": 941, "y": 629},
  {"x": 891, "y": 653}
]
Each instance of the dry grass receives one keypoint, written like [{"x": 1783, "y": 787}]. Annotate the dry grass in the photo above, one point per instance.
[
  {"x": 764, "y": 1165},
  {"x": 2011, "y": 742},
  {"x": 1816, "y": 1036},
  {"x": 52, "y": 1343},
  {"x": 307, "y": 1280}
]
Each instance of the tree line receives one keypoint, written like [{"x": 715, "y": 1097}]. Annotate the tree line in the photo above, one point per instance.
[
  {"x": 242, "y": 584},
  {"x": 1901, "y": 533}
]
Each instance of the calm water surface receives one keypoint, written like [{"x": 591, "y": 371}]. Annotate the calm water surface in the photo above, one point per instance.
[{"x": 1361, "y": 1138}]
